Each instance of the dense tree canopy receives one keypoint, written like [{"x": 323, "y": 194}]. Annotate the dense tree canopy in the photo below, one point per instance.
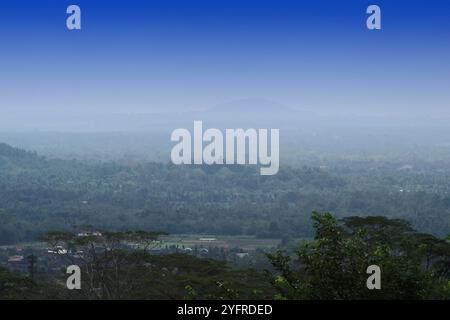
[
  {"x": 334, "y": 265},
  {"x": 38, "y": 195}
]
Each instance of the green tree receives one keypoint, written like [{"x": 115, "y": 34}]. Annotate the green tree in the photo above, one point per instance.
[{"x": 334, "y": 264}]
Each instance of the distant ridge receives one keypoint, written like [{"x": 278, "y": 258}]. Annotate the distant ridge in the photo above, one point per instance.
[{"x": 8, "y": 151}]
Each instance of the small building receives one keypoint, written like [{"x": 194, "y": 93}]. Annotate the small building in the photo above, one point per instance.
[
  {"x": 17, "y": 263},
  {"x": 89, "y": 233},
  {"x": 208, "y": 239},
  {"x": 242, "y": 255}
]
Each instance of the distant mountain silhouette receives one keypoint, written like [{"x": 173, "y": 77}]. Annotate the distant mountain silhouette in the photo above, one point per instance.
[
  {"x": 243, "y": 113},
  {"x": 253, "y": 113}
]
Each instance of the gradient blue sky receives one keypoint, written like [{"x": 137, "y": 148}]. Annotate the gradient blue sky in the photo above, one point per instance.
[{"x": 180, "y": 54}]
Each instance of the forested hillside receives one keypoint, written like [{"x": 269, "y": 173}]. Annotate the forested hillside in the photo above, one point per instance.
[{"x": 39, "y": 194}]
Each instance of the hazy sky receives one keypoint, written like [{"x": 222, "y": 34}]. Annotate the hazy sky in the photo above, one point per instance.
[{"x": 153, "y": 55}]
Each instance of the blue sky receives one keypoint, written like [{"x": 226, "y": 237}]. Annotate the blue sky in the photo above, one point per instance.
[{"x": 133, "y": 56}]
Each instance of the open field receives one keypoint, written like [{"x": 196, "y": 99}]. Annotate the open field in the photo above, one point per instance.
[{"x": 246, "y": 243}]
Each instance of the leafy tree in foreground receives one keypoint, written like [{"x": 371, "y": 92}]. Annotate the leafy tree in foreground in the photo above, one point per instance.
[
  {"x": 333, "y": 266},
  {"x": 13, "y": 286}
]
